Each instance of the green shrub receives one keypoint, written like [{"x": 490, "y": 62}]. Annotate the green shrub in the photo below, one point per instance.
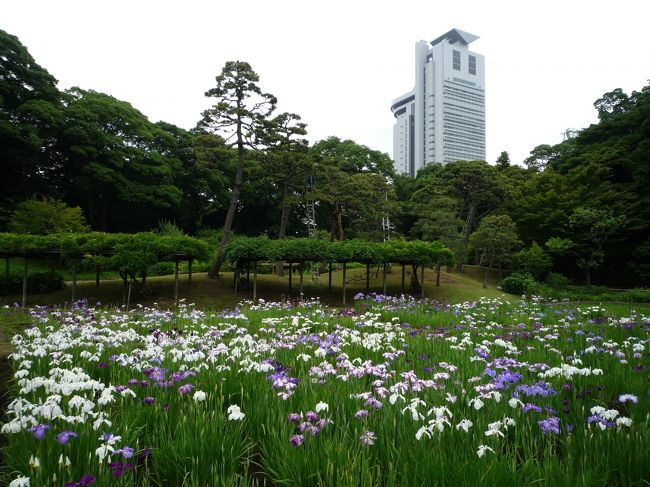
[
  {"x": 37, "y": 282},
  {"x": 519, "y": 283},
  {"x": 162, "y": 269},
  {"x": 45, "y": 217},
  {"x": 556, "y": 280},
  {"x": 535, "y": 261}
]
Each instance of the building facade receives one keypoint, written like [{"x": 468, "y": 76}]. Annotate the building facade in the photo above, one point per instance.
[{"x": 443, "y": 118}]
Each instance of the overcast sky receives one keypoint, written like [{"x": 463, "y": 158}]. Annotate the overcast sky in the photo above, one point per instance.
[{"x": 339, "y": 64}]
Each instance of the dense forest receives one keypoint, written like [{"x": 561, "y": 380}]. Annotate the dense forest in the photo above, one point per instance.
[{"x": 581, "y": 206}]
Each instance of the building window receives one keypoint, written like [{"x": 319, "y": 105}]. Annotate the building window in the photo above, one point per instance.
[
  {"x": 456, "y": 60},
  {"x": 472, "y": 64}
]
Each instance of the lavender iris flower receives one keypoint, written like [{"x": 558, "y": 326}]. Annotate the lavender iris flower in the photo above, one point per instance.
[
  {"x": 65, "y": 436},
  {"x": 297, "y": 440},
  {"x": 293, "y": 417},
  {"x": 550, "y": 425},
  {"x": 39, "y": 430}
]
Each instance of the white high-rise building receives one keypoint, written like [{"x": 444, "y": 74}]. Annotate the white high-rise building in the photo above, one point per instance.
[{"x": 443, "y": 118}]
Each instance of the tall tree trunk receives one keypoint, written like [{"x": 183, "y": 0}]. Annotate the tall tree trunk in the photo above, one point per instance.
[
  {"x": 339, "y": 223},
  {"x": 284, "y": 219},
  {"x": 234, "y": 200},
  {"x": 487, "y": 271},
  {"x": 466, "y": 232},
  {"x": 588, "y": 277},
  {"x": 104, "y": 215},
  {"x": 438, "y": 274}
]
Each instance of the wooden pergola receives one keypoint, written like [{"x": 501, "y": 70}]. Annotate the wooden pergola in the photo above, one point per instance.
[{"x": 57, "y": 254}]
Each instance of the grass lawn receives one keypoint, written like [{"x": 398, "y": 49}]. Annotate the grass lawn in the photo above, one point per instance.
[{"x": 219, "y": 293}]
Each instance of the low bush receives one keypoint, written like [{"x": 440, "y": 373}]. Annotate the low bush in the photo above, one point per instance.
[
  {"x": 519, "y": 283},
  {"x": 37, "y": 282},
  {"x": 556, "y": 280}
]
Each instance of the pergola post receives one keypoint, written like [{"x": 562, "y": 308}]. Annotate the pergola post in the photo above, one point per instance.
[
  {"x": 422, "y": 279},
  {"x": 367, "y": 277},
  {"x": 329, "y": 280},
  {"x": 24, "y": 303},
  {"x": 290, "y": 275},
  {"x": 438, "y": 274},
  {"x": 176, "y": 283},
  {"x": 344, "y": 269},
  {"x": 302, "y": 270},
  {"x": 74, "y": 281},
  {"x": 255, "y": 281},
  {"x": 384, "y": 279},
  {"x": 189, "y": 271},
  {"x": 235, "y": 276}
]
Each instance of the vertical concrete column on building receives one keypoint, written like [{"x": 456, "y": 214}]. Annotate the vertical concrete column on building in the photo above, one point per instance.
[{"x": 421, "y": 53}]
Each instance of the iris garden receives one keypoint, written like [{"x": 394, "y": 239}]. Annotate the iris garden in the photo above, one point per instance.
[{"x": 393, "y": 391}]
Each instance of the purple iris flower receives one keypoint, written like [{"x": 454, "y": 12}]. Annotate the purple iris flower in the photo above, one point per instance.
[
  {"x": 361, "y": 414},
  {"x": 311, "y": 416},
  {"x": 293, "y": 417},
  {"x": 127, "y": 452},
  {"x": 149, "y": 400},
  {"x": 532, "y": 407},
  {"x": 85, "y": 481},
  {"x": 39, "y": 430},
  {"x": 119, "y": 468},
  {"x": 184, "y": 390},
  {"x": 550, "y": 425},
  {"x": 297, "y": 440},
  {"x": 65, "y": 436},
  {"x": 481, "y": 353}
]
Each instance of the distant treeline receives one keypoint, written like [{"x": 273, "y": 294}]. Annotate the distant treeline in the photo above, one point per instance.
[{"x": 587, "y": 197}]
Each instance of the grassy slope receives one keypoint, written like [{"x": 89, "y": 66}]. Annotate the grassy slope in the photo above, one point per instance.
[{"x": 207, "y": 293}]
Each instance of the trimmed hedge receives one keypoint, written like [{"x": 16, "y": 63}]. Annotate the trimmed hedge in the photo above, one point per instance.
[
  {"x": 243, "y": 250},
  {"x": 130, "y": 254},
  {"x": 37, "y": 282}
]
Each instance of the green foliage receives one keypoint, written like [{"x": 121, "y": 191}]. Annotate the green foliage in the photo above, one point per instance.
[
  {"x": 556, "y": 280},
  {"x": 535, "y": 261},
  {"x": 591, "y": 229},
  {"x": 519, "y": 283},
  {"x": 30, "y": 117},
  {"x": 495, "y": 239},
  {"x": 46, "y": 216},
  {"x": 130, "y": 254},
  {"x": 37, "y": 282},
  {"x": 353, "y": 158},
  {"x": 592, "y": 293},
  {"x": 117, "y": 167},
  {"x": 168, "y": 228},
  {"x": 503, "y": 161},
  {"x": 302, "y": 250},
  {"x": 239, "y": 115},
  {"x": 603, "y": 166},
  {"x": 251, "y": 249}
]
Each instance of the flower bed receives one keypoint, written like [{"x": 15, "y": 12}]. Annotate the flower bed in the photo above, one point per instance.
[{"x": 388, "y": 393}]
